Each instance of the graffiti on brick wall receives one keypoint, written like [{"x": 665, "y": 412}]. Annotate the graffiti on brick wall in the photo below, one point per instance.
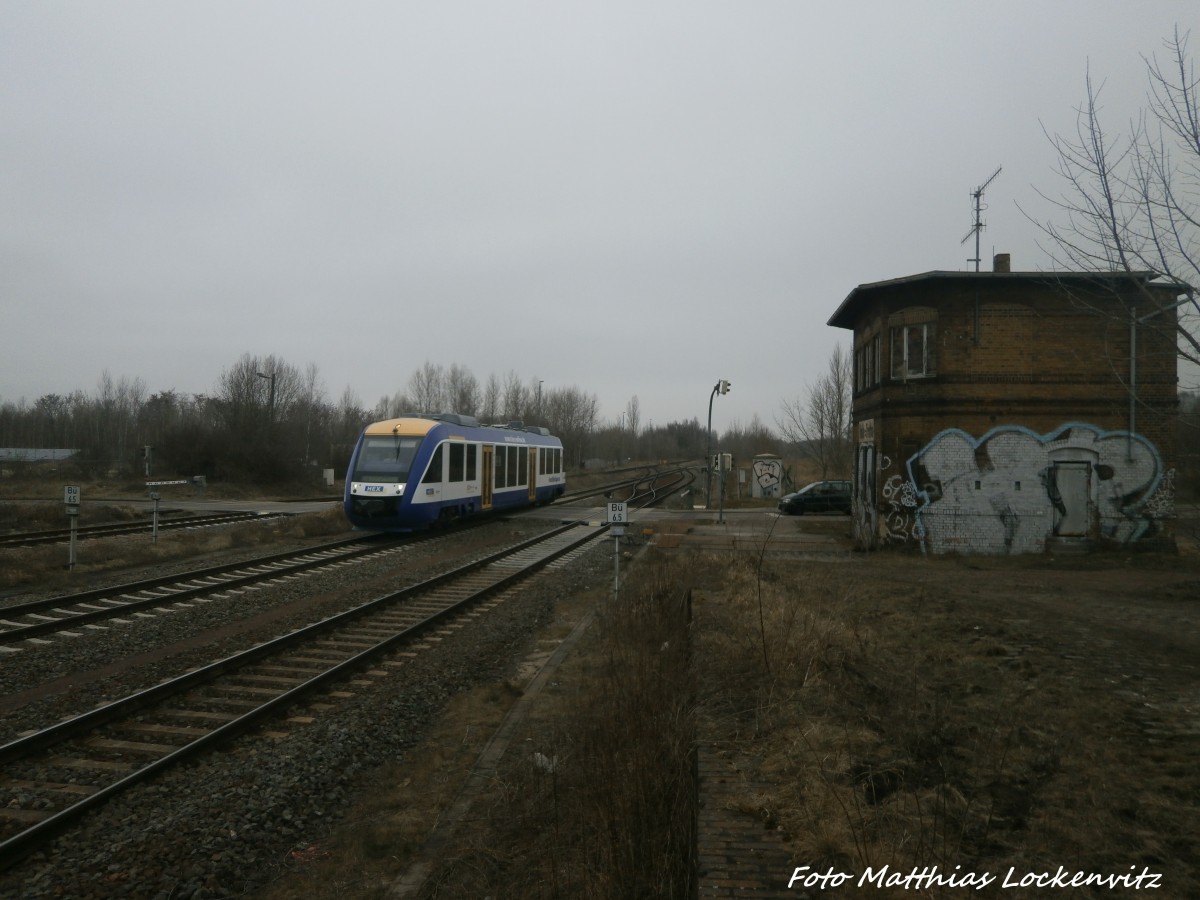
[
  {"x": 898, "y": 505},
  {"x": 864, "y": 502},
  {"x": 1012, "y": 489},
  {"x": 1161, "y": 504},
  {"x": 768, "y": 476}
]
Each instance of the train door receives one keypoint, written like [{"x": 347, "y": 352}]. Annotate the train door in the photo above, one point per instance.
[
  {"x": 488, "y": 473},
  {"x": 533, "y": 472}
]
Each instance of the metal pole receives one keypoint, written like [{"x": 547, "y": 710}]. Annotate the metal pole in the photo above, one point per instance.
[
  {"x": 616, "y": 565},
  {"x": 721, "y": 387},
  {"x": 71, "y": 552},
  {"x": 1132, "y": 382},
  {"x": 708, "y": 454},
  {"x": 721, "y": 482},
  {"x": 154, "y": 523}
]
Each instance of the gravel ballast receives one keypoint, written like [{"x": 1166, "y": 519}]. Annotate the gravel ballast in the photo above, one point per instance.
[{"x": 224, "y": 825}]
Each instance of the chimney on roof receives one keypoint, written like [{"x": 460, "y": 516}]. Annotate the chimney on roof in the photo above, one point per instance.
[{"x": 1001, "y": 262}]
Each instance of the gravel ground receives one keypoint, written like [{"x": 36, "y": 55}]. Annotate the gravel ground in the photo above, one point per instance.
[
  {"x": 223, "y": 826},
  {"x": 70, "y": 675}
]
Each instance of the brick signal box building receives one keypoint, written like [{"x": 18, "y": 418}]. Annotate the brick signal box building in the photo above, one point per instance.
[{"x": 1008, "y": 412}]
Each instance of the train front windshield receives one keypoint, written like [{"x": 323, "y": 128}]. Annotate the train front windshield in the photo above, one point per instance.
[{"x": 385, "y": 459}]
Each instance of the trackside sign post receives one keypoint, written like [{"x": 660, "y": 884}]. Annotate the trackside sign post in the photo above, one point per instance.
[
  {"x": 617, "y": 517},
  {"x": 71, "y": 499},
  {"x": 154, "y": 495}
]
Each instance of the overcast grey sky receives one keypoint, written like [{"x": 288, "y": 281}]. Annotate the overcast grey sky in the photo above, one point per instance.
[{"x": 630, "y": 198}]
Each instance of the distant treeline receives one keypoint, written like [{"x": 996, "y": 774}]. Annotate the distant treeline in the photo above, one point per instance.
[{"x": 270, "y": 422}]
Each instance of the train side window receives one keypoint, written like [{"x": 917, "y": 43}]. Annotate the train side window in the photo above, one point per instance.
[
  {"x": 457, "y": 456},
  {"x": 472, "y": 465},
  {"x": 434, "y": 473},
  {"x": 500, "y": 466},
  {"x": 557, "y": 460},
  {"x": 523, "y": 466},
  {"x": 512, "y": 467},
  {"x": 542, "y": 454}
]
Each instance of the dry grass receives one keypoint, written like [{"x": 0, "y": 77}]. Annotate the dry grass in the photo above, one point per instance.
[
  {"x": 896, "y": 711},
  {"x": 45, "y": 565},
  {"x": 903, "y": 722},
  {"x": 593, "y": 799},
  {"x": 598, "y": 801},
  {"x": 20, "y": 515},
  {"x": 45, "y": 481}
]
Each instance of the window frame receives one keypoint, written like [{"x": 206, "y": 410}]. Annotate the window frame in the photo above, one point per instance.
[
  {"x": 435, "y": 473},
  {"x": 904, "y": 338},
  {"x": 456, "y": 471},
  {"x": 867, "y": 364}
]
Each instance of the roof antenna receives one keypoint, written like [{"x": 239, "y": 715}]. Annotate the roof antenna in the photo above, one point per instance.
[{"x": 979, "y": 208}]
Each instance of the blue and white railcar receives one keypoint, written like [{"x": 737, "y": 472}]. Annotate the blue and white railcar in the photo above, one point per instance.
[{"x": 420, "y": 470}]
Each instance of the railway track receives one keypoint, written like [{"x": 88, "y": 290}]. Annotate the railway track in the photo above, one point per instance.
[
  {"x": 60, "y": 615},
  {"x": 67, "y": 769},
  {"x": 63, "y": 615},
  {"x": 646, "y": 488},
  {"x": 61, "y": 535}
]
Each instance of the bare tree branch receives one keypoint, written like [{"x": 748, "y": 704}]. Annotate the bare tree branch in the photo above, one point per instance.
[
  {"x": 1132, "y": 203},
  {"x": 820, "y": 426}
]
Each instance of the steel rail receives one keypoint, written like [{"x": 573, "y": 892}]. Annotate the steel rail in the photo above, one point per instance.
[
  {"x": 28, "y": 840},
  {"x": 116, "y": 529},
  {"x": 281, "y": 563}
]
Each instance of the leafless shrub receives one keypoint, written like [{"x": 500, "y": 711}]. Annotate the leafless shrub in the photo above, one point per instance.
[{"x": 601, "y": 804}]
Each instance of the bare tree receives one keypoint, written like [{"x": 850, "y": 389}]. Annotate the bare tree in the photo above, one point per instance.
[
  {"x": 313, "y": 401},
  {"x": 394, "y": 406},
  {"x": 571, "y": 414},
  {"x": 241, "y": 397},
  {"x": 515, "y": 397},
  {"x": 1129, "y": 200},
  {"x": 490, "y": 409},
  {"x": 746, "y": 441},
  {"x": 115, "y": 413},
  {"x": 633, "y": 414},
  {"x": 462, "y": 390},
  {"x": 427, "y": 388},
  {"x": 349, "y": 417},
  {"x": 820, "y": 425}
]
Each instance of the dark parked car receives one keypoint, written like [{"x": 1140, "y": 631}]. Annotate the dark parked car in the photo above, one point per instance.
[{"x": 820, "y": 496}]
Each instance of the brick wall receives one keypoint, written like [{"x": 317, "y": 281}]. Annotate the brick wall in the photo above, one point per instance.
[{"x": 1036, "y": 354}]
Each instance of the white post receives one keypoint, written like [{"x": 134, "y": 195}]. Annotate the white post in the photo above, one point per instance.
[
  {"x": 616, "y": 563},
  {"x": 71, "y": 498},
  {"x": 617, "y": 517}
]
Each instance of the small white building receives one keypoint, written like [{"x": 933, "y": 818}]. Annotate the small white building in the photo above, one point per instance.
[{"x": 766, "y": 476}]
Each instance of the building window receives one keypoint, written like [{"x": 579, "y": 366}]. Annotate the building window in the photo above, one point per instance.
[
  {"x": 866, "y": 364},
  {"x": 913, "y": 351}
]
